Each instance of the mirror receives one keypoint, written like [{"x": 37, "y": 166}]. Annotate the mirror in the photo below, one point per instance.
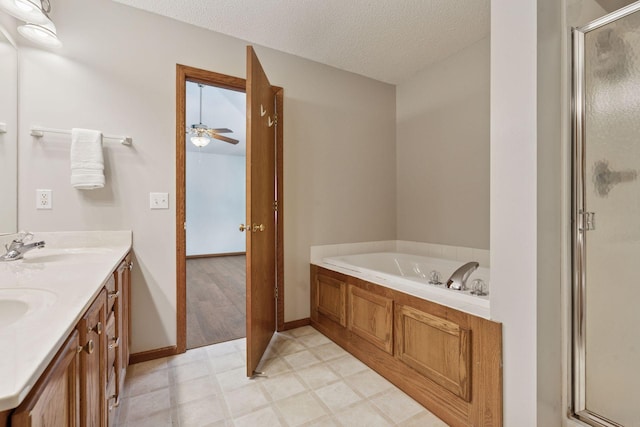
[{"x": 8, "y": 133}]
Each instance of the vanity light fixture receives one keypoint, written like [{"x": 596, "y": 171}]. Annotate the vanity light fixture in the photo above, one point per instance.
[
  {"x": 44, "y": 35},
  {"x": 26, "y": 10},
  {"x": 38, "y": 28}
]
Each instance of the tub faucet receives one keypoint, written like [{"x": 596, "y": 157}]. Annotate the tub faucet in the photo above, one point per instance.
[
  {"x": 458, "y": 280},
  {"x": 17, "y": 248}
]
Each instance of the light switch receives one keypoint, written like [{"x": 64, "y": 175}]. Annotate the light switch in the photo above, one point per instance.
[{"x": 159, "y": 200}]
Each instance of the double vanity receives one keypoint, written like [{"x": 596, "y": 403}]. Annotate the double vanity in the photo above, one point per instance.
[{"x": 64, "y": 330}]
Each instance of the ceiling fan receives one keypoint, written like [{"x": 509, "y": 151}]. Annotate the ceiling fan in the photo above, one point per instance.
[{"x": 201, "y": 134}]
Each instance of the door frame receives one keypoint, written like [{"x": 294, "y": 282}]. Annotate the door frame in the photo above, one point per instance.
[{"x": 186, "y": 73}]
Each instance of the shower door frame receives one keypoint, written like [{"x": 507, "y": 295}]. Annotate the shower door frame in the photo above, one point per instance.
[{"x": 579, "y": 221}]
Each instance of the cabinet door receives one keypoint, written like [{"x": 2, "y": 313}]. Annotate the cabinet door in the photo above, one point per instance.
[
  {"x": 331, "y": 296},
  {"x": 55, "y": 400},
  {"x": 437, "y": 348},
  {"x": 371, "y": 317},
  {"x": 92, "y": 363},
  {"x": 122, "y": 311}
]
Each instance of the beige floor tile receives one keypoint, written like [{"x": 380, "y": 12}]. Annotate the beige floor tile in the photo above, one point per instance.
[
  {"x": 227, "y": 362},
  {"x": 328, "y": 421},
  {"x": 347, "y": 365},
  {"x": 145, "y": 383},
  {"x": 245, "y": 399},
  {"x": 233, "y": 379},
  {"x": 397, "y": 405},
  {"x": 368, "y": 383},
  {"x": 158, "y": 419},
  {"x": 300, "y": 409},
  {"x": 337, "y": 396},
  {"x": 317, "y": 376},
  {"x": 147, "y": 367},
  {"x": 283, "y": 386},
  {"x": 265, "y": 417},
  {"x": 194, "y": 389},
  {"x": 273, "y": 367},
  {"x": 222, "y": 348},
  {"x": 305, "y": 330},
  {"x": 362, "y": 415},
  {"x": 202, "y": 412},
  {"x": 189, "y": 356},
  {"x": 301, "y": 359},
  {"x": 148, "y": 405},
  {"x": 285, "y": 346},
  {"x": 313, "y": 340},
  {"x": 189, "y": 371},
  {"x": 424, "y": 419},
  {"x": 328, "y": 351}
]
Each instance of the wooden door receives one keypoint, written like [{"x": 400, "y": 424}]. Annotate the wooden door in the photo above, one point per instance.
[{"x": 261, "y": 236}]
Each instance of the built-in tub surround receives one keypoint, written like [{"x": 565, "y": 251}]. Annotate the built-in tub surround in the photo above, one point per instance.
[
  {"x": 405, "y": 266},
  {"x": 56, "y": 284}
]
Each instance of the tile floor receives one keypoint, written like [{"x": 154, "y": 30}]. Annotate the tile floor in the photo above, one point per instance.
[{"x": 310, "y": 382}]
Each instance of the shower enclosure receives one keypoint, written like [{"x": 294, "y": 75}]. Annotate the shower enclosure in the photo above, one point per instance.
[{"x": 606, "y": 220}]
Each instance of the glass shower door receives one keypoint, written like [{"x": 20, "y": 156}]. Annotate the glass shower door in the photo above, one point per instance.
[{"x": 607, "y": 220}]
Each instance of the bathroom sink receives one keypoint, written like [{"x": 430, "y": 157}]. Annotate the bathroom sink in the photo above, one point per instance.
[
  {"x": 17, "y": 304},
  {"x": 65, "y": 255}
]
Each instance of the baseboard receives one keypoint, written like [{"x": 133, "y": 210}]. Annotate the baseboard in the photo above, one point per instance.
[
  {"x": 296, "y": 324},
  {"x": 215, "y": 255},
  {"x": 153, "y": 354}
]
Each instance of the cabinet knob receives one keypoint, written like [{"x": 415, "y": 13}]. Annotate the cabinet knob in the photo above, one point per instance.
[
  {"x": 130, "y": 266},
  {"x": 115, "y": 343},
  {"x": 114, "y": 294},
  {"x": 89, "y": 347},
  {"x": 116, "y": 402},
  {"x": 97, "y": 329}
]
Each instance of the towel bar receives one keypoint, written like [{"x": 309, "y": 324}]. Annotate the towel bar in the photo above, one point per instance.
[{"x": 39, "y": 132}]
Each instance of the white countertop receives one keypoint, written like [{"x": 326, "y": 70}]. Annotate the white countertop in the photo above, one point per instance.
[{"x": 63, "y": 278}]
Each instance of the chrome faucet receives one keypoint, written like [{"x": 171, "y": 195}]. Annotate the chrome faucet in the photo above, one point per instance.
[
  {"x": 458, "y": 280},
  {"x": 17, "y": 248}
]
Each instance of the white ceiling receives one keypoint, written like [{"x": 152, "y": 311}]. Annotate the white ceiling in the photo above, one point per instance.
[
  {"x": 387, "y": 40},
  {"x": 221, "y": 108}
]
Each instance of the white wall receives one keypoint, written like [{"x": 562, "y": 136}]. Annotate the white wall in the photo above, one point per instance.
[
  {"x": 513, "y": 201},
  {"x": 443, "y": 151},
  {"x": 215, "y": 192},
  {"x": 116, "y": 72}
]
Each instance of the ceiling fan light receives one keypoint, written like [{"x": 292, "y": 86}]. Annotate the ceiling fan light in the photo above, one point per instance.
[
  {"x": 43, "y": 35},
  {"x": 200, "y": 141},
  {"x": 25, "y": 10}
]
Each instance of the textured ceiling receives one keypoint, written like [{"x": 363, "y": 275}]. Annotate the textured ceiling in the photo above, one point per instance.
[{"x": 388, "y": 40}]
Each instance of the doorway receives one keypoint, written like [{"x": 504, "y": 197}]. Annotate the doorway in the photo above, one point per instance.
[
  {"x": 215, "y": 190},
  {"x": 186, "y": 74}
]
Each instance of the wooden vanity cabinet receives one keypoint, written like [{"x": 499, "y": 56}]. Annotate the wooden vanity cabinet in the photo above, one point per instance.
[
  {"x": 83, "y": 383},
  {"x": 55, "y": 399},
  {"x": 92, "y": 363},
  {"x": 448, "y": 360}
]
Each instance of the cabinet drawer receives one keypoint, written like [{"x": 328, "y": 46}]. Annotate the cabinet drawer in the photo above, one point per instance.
[
  {"x": 112, "y": 293},
  {"x": 112, "y": 340},
  {"x": 112, "y": 400}
]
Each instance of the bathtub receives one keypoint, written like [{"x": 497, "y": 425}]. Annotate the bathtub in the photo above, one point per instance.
[{"x": 410, "y": 274}]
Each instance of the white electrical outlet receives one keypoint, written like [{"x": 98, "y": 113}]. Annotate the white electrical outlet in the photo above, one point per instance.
[
  {"x": 43, "y": 199},
  {"x": 159, "y": 200}
]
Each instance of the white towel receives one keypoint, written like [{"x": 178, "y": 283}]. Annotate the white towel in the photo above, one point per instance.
[{"x": 87, "y": 162}]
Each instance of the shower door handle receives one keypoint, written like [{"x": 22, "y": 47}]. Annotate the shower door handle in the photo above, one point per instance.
[{"x": 588, "y": 221}]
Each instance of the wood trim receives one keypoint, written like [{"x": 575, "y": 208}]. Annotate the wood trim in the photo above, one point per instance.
[
  {"x": 156, "y": 353},
  {"x": 186, "y": 73},
  {"x": 286, "y": 326},
  {"x": 280, "y": 323},
  {"x": 215, "y": 255},
  {"x": 377, "y": 326}
]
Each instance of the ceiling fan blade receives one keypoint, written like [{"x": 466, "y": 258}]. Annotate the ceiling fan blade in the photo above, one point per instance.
[
  {"x": 225, "y": 139},
  {"x": 221, "y": 130}
]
